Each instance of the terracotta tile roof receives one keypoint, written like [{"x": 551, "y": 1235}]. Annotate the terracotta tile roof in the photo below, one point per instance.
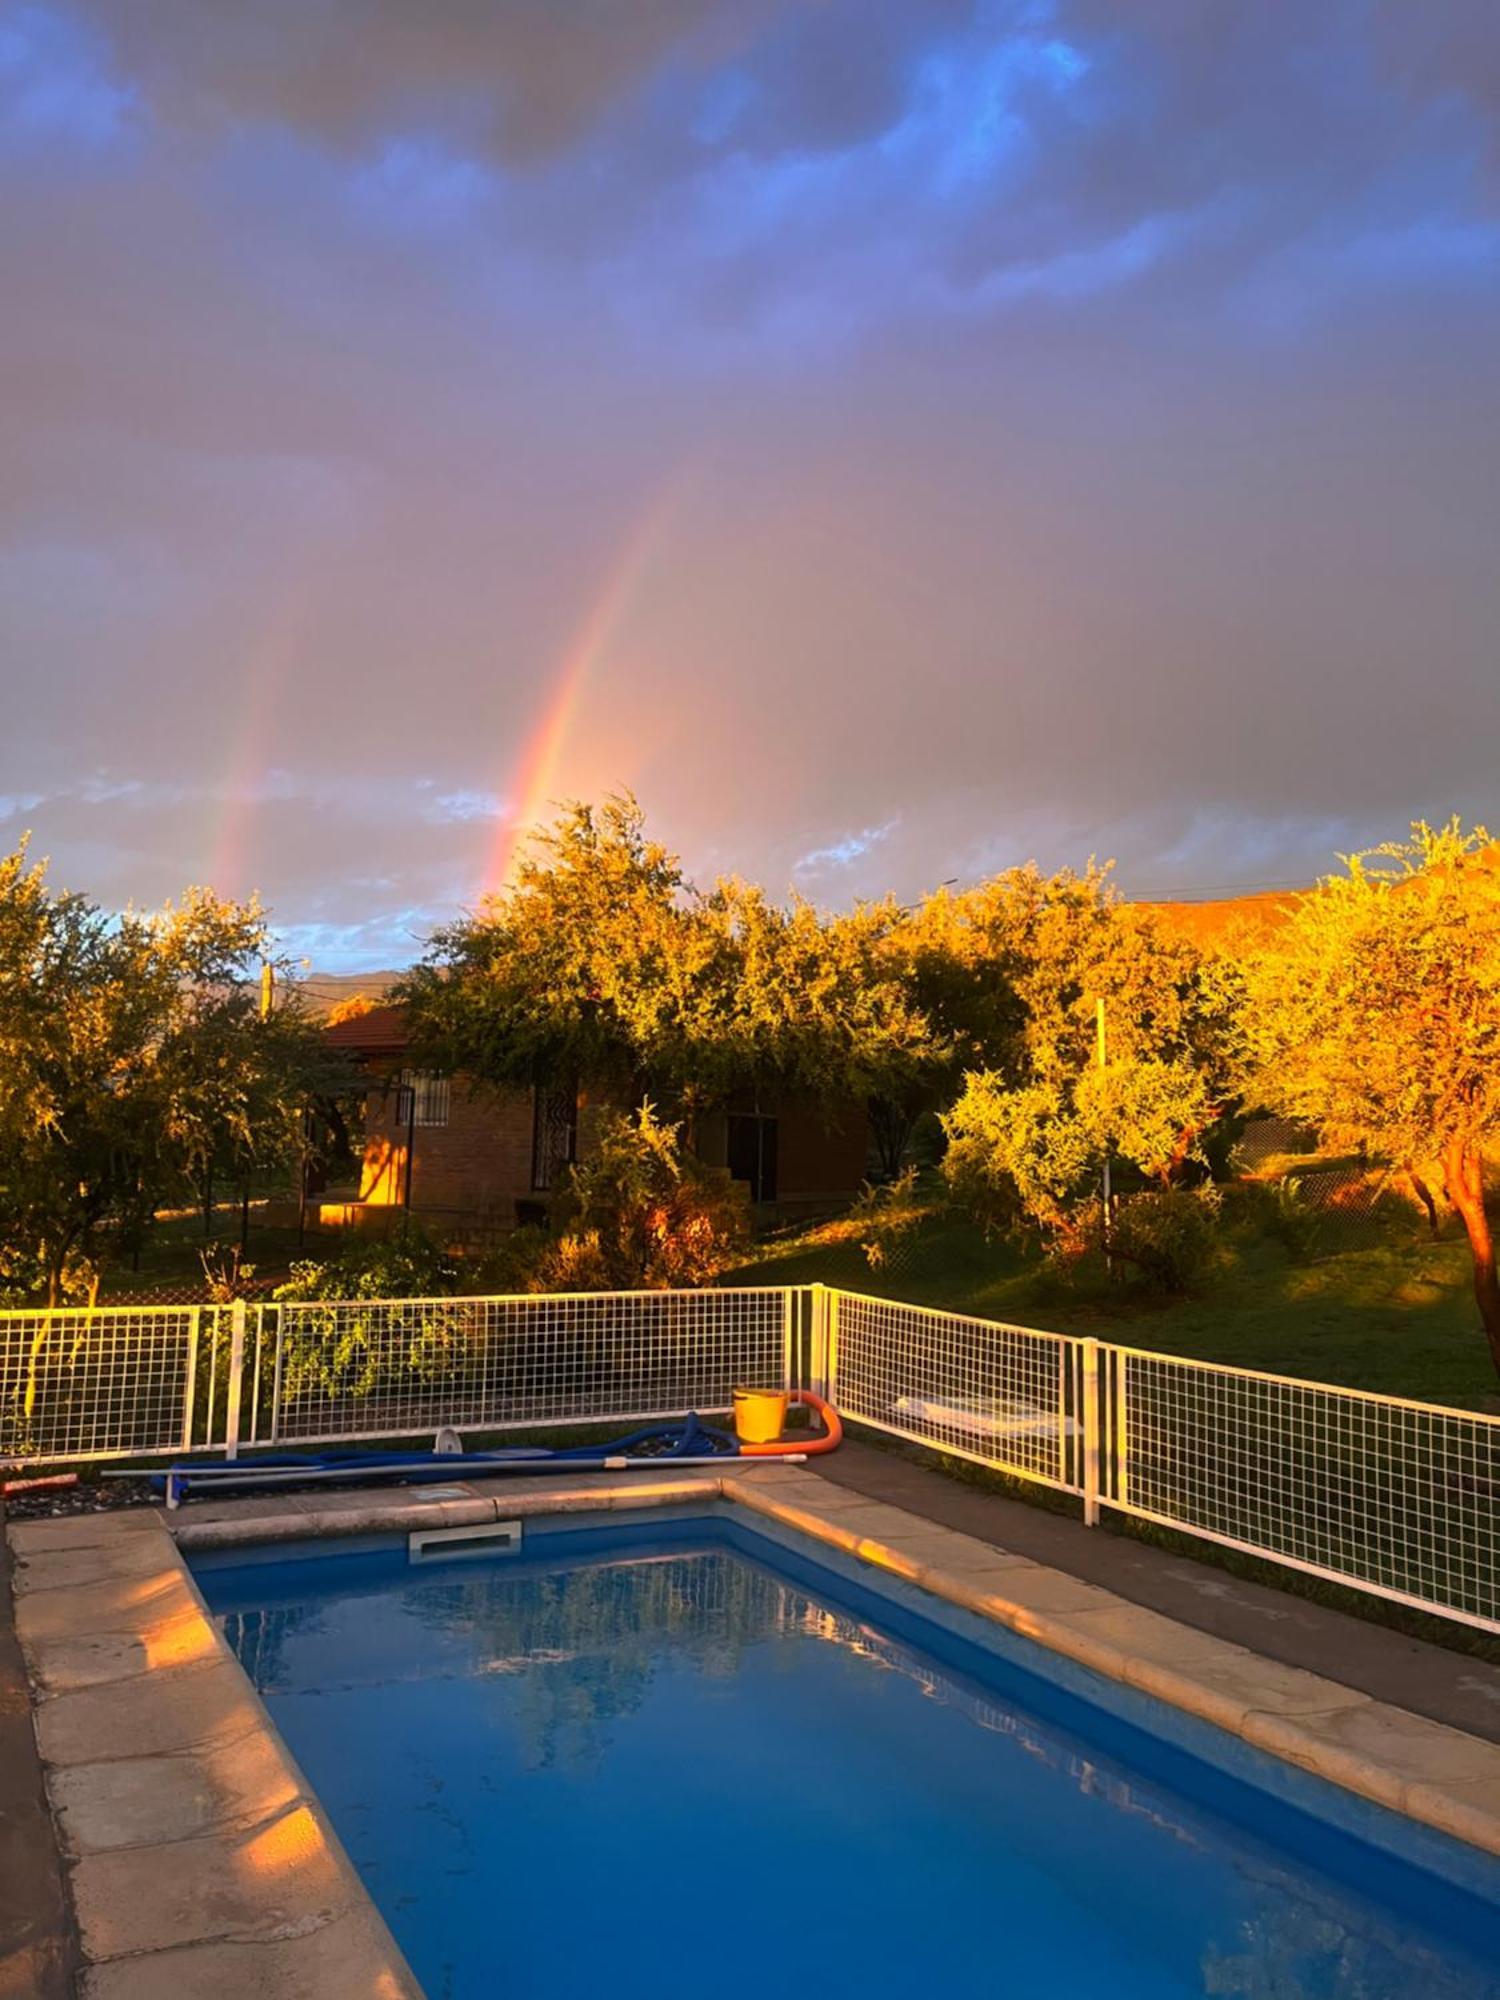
[{"x": 381, "y": 1032}]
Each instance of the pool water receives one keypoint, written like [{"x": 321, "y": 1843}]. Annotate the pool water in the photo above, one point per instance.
[{"x": 647, "y": 1760}]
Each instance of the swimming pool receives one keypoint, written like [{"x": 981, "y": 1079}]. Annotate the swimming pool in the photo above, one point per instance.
[{"x": 648, "y": 1754}]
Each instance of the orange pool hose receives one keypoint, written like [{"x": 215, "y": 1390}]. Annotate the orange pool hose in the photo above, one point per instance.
[{"x": 801, "y": 1447}]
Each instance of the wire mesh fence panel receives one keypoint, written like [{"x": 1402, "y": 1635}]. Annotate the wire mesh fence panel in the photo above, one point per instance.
[
  {"x": 97, "y": 1384},
  {"x": 395, "y": 1368},
  {"x": 1394, "y": 1497},
  {"x": 1005, "y": 1396},
  {"x": 1398, "y": 1498}
]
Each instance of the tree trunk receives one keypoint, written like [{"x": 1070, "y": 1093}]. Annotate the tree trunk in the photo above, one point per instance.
[
  {"x": 56, "y": 1264},
  {"x": 1463, "y": 1178},
  {"x": 80, "y": 1235},
  {"x": 1423, "y": 1193},
  {"x": 890, "y": 1128}
]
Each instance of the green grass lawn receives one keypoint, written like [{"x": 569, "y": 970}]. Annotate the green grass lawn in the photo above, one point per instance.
[
  {"x": 1398, "y": 1316},
  {"x": 172, "y": 1258}
]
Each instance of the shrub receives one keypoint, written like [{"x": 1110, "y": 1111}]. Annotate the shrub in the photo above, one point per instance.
[
  {"x": 1280, "y": 1211},
  {"x": 642, "y": 1213},
  {"x": 225, "y": 1272},
  {"x": 362, "y": 1353},
  {"x": 1169, "y": 1235},
  {"x": 405, "y": 1264},
  {"x": 887, "y": 1218}
]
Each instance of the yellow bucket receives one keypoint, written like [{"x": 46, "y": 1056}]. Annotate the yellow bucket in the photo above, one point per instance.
[{"x": 759, "y": 1415}]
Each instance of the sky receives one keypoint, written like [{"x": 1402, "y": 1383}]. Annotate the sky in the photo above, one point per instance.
[{"x": 895, "y": 440}]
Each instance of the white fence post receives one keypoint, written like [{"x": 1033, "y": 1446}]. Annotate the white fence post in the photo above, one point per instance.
[
  {"x": 236, "y": 1379},
  {"x": 189, "y": 1387},
  {"x": 278, "y": 1315},
  {"x": 1089, "y": 1400},
  {"x": 817, "y": 1339}
]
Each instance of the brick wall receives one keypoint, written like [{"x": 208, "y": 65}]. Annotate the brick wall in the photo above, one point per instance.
[
  {"x": 479, "y": 1163},
  {"x": 816, "y": 1159}
]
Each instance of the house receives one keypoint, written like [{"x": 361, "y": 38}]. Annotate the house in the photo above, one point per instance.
[{"x": 465, "y": 1157}]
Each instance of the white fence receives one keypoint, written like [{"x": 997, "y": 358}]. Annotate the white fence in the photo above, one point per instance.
[{"x": 1397, "y": 1498}]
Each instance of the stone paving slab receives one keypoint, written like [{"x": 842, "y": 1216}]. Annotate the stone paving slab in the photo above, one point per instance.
[
  {"x": 124, "y": 1605},
  {"x": 178, "y": 1637},
  {"x": 101, "y": 1562},
  {"x": 80, "y": 1531},
  {"x": 152, "y": 1715},
  {"x": 347, "y": 1958},
  {"x": 229, "y": 1524},
  {"x": 1468, "y": 1808},
  {"x": 200, "y": 1862},
  {"x": 278, "y": 1880},
  {"x": 140, "y": 1801}
]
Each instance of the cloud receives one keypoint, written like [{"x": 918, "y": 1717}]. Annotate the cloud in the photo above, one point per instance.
[
  {"x": 843, "y": 853},
  {"x": 1087, "y": 409},
  {"x": 526, "y": 80},
  {"x": 463, "y": 807},
  {"x": 57, "y": 97}
]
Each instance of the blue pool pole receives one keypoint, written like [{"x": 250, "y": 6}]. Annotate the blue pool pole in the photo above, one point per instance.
[{"x": 223, "y": 1478}]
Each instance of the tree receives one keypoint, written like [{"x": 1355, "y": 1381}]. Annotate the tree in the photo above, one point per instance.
[
  {"x": 603, "y": 964},
  {"x": 1016, "y": 969},
  {"x": 1010, "y": 971},
  {"x": 1036, "y": 1150},
  {"x": 817, "y": 1005},
  {"x": 353, "y": 1007},
  {"x": 131, "y": 1052},
  {"x": 252, "y": 1093},
  {"x": 573, "y": 972},
  {"x": 1374, "y": 1016}
]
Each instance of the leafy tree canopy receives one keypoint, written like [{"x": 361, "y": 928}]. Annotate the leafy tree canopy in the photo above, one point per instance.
[
  {"x": 1025, "y": 961},
  {"x": 1013, "y": 968},
  {"x": 574, "y": 970},
  {"x": 1374, "y": 1016},
  {"x": 605, "y": 964},
  {"x": 132, "y": 1052}
]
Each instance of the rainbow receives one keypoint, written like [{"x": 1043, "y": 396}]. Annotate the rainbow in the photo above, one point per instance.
[
  {"x": 240, "y": 796},
  {"x": 534, "y": 785}
]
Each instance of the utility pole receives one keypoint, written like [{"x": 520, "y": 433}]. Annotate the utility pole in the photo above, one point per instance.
[
  {"x": 1101, "y": 1053},
  {"x": 267, "y": 999},
  {"x": 411, "y": 1137}
]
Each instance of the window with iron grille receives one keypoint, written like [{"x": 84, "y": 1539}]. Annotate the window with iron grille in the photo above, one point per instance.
[
  {"x": 554, "y": 1136},
  {"x": 422, "y": 1098}
]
